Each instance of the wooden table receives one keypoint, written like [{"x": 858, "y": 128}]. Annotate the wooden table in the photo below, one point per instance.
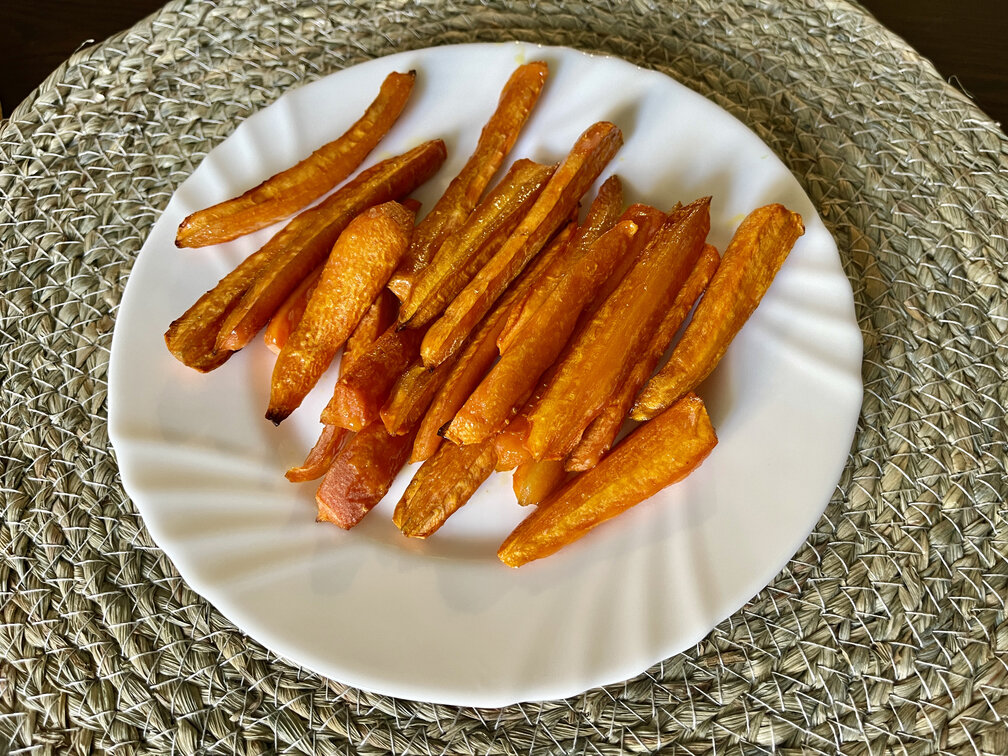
[{"x": 965, "y": 39}]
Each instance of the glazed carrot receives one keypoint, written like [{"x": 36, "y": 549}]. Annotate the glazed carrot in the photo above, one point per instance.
[
  {"x": 358, "y": 267},
  {"x": 304, "y": 243},
  {"x": 290, "y": 313},
  {"x": 467, "y": 250},
  {"x": 753, "y": 256},
  {"x": 375, "y": 322},
  {"x": 540, "y": 340},
  {"x": 601, "y": 216},
  {"x": 599, "y": 436},
  {"x": 361, "y": 475},
  {"x": 411, "y": 396},
  {"x": 192, "y": 337},
  {"x": 519, "y": 96},
  {"x": 510, "y": 443},
  {"x": 360, "y": 393},
  {"x": 321, "y": 455},
  {"x": 534, "y": 481},
  {"x": 656, "y": 455},
  {"x": 605, "y": 351},
  {"x": 590, "y": 154},
  {"x": 287, "y": 192},
  {"x": 475, "y": 359},
  {"x": 441, "y": 486}
]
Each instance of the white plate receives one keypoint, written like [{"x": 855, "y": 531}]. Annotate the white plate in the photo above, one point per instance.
[{"x": 444, "y": 621}]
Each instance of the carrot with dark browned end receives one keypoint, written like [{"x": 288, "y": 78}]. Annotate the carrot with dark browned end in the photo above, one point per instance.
[
  {"x": 286, "y": 318},
  {"x": 540, "y": 340},
  {"x": 599, "y": 436},
  {"x": 360, "y": 393},
  {"x": 518, "y": 97},
  {"x": 754, "y": 255},
  {"x": 192, "y": 337},
  {"x": 656, "y": 455},
  {"x": 441, "y": 486},
  {"x": 604, "y": 353},
  {"x": 358, "y": 268},
  {"x": 533, "y": 482},
  {"x": 304, "y": 243},
  {"x": 361, "y": 475},
  {"x": 590, "y": 154},
  {"x": 475, "y": 359},
  {"x": 467, "y": 250},
  {"x": 284, "y": 193},
  {"x": 601, "y": 216}
]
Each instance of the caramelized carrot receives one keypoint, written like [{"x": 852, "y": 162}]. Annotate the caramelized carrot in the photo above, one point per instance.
[
  {"x": 599, "y": 436},
  {"x": 753, "y": 256},
  {"x": 540, "y": 341},
  {"x": 656, "y": 455},
  {"x": 321, "y": 455},
  {"x": 534, "y": 481},
  {"x": 519, "y": 96},
  {"x": 290, "y": 313},
  {"x": 305, "y": 242},
  {"x": 467, "y": 250},
  {"x": 605, "y": 351},
  {"x": 590, "y": 154},
  {"x": 287, "y": 192}
]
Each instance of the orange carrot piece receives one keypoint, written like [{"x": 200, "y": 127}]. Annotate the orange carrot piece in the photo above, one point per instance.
[
  {"x": 605, "y": 351},
  {"x": 599, "y": 435},
  {"x": 510, "y": 444},
  {"x": 284, "y": 193},
  {"x": 192, "y": 337},
  {"x": 533, "y": 482},
  {"x": 540, "y": 340},
  {"x": 360, "y": 393},
  {"x": 441, "y": 486},
  {"x": 290, "y": 313},
  {"x": 656, "y": 455},
  {"x": 361, "y": 475},
  {"x": 321, "y": 455},
  {"x": 475, "y": 359},
  {"x": 411, "y": 396},
  {"x": 379, "y": 317},
  {"x": 358, "y": 267},
  {"x": 590, "y": 154},
  {"x": 518, "y": 97},
  {"x": 467, "y": 250},
  {"x": 601, "y": 216},
  {"x": 304, "y": 243},
  {"x": 754, "y": 255}
]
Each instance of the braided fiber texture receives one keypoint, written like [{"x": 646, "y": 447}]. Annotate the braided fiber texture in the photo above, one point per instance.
[{"x": 886, "y": 633}]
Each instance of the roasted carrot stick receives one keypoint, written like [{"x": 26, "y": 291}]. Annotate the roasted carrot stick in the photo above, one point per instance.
[
  {"x": 358, "y": 268},
  {"x": 471, "y": 246},
  {"x": 361, "y": 475},
  {"x": 287, "y": 192},
  {"x": 656, "y": 455},
  {"x": 480, "y": 352},
  {"x": 360, "y": 393},
  {"x": 599, "y": 436},
  {"x": 518, "y": 97},
  {"x": 192, "y": 337},
  {"x": 510, "y": 443},
  {"x": 534, "y": 481},
  {"x": 605, "y": 351},
  {"x": 441, "y": 486},
  {"x": 304, "y": 243},
  {"x": 753, "y": 256},
  {"x": 540, "y": 340},
  {"x": 590, "y": 154},
  {"x": 321, "y": 455},
  {"x": 290, "y": 313},
  {"x": 601, "y": 216},
  {"x": 411, "y": 396}
]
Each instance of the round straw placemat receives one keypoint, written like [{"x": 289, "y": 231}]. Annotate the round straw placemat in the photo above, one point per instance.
[{"x": 886, "y": 632}]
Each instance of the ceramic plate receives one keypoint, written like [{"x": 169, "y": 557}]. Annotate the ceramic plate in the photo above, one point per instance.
[{"x": 443, "y": 620}]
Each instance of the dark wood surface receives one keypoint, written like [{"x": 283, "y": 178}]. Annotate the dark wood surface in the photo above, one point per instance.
[{"x": 965, "y": 39}]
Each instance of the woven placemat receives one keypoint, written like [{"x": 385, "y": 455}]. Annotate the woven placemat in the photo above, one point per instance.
[{"x": 886, "y": 632}]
